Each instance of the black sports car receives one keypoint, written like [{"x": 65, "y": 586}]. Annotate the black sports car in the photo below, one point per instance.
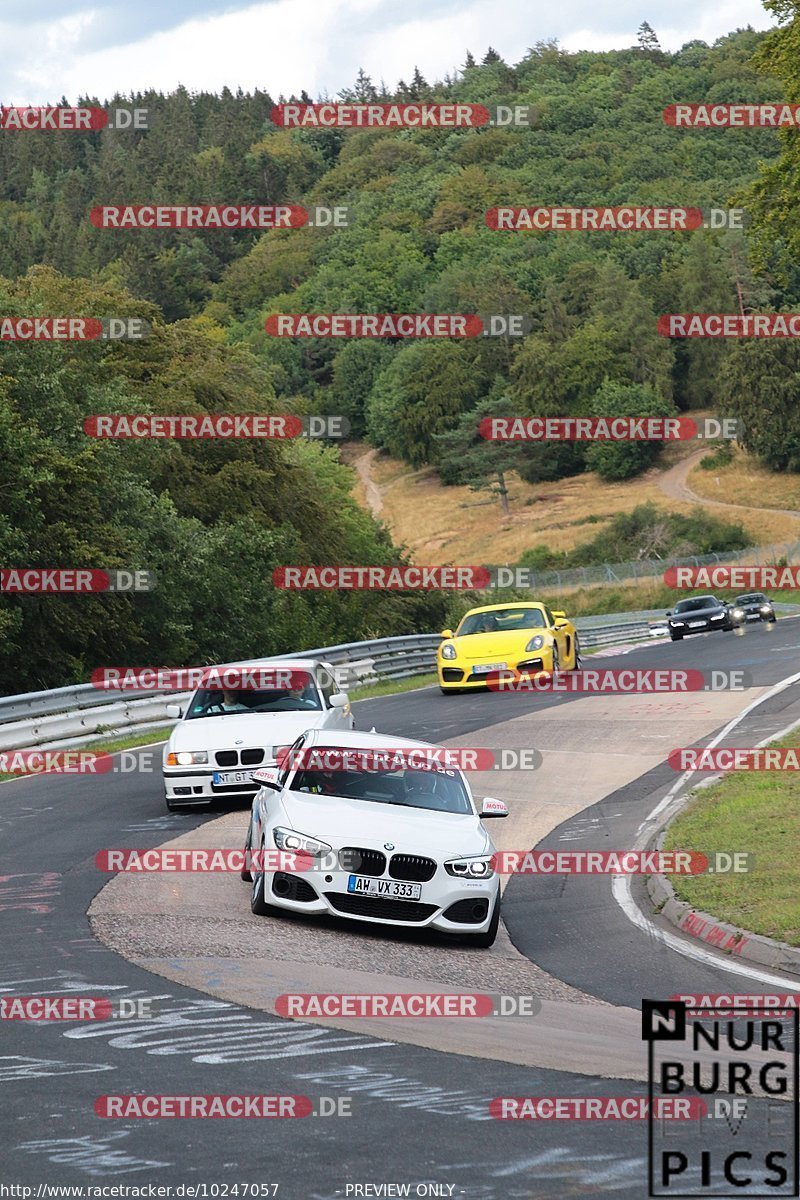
[
  {"x": 755, "y": 606},
  {"x": 702, "y": 614}
]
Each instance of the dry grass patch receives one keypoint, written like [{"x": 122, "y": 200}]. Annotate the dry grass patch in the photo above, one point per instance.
[
  {"x": 745, "y": 482},
  {"x": 454, "y": 524}
]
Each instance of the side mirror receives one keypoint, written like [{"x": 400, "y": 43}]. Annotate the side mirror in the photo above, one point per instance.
[
  {"x": 669, "y": 614},
  {"x": 339, "y": 700},
  {"x": 561, "y": 616},
  {"x": 267, "y": 777},
  {"x": 492, "y": 808},
  {"x": 446, "y": 633},
  {"x": 175, "y": 711}
]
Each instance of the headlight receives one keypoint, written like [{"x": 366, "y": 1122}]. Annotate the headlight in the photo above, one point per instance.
[
  {"x": 766, "y": 608},
  {"x": 676, "y": 622},
  {"x": 186, "y": 758},
  {"x": 535, "y": 643},
  {"x": 448, "y": 650},
  {"x": 721, "y": 616},
  {"x": 287, "y": 839},
  {"x": 470, "y": 868},
  {"x": 738, "y": 613}
]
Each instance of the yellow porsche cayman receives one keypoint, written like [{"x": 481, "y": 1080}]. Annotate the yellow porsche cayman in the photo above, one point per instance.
[{"x": 525, "y": 636}]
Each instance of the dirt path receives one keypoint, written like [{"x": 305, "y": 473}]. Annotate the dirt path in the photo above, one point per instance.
[
  {"x": 673, "y": 484},
  {"x": 374, "y": 495}
]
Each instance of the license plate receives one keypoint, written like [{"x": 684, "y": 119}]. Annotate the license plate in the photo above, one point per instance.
[
  {"x": 485, "y": 668},
  {"x": 697, "y": 624},
  {"x": 388, "y": 889},
  {"x": 229, "y": 778}
]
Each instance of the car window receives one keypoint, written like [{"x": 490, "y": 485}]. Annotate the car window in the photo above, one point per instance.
[
  {"x": 696, "y": 604},
  {"x": 216, "y": 702},
  {"x": 440, "y": 790},
  {"x": 287, "y": 762},
  {"x": 501, "y": 620},
  {"x": 327, "y": 685},
  {"x": 550, "y": 618}
]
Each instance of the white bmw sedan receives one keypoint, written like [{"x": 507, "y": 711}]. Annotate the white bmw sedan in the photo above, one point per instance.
[
  {"x": 385, "y": 834},
  {"x": 225, "y": 734}
]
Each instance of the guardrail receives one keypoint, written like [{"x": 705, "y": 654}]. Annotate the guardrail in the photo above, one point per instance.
[
  {"x": 70, "y": 715},
  {"x": 651, "y": 568}
]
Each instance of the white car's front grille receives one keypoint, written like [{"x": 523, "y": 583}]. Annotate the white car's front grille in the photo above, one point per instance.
[{"x": 249, "y": 757}]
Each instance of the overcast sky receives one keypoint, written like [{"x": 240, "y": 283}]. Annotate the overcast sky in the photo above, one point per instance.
[{"x": 96, "y": 47}]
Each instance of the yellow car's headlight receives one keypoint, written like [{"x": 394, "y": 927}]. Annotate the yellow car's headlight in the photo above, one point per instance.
[
  {"x": 535, "y": 643},
  {"x": 448, "y": 650}
]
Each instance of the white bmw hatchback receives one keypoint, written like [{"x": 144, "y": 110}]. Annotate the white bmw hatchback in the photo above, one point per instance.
[
  {"x": 379, "y": 842},
  {"x": 226, "y": 734}
]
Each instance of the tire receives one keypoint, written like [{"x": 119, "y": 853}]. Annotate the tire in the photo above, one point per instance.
[
  {"x": 449, "y": 691},
  {"x": 676, "y": 637},
  {"x": 556, "y": 669},
  {"x": 244, "y": 873},
  {"x": 576, "y": 657},
  {"x": 483, "y": 941},
  {"x": 258, "y": 904}
]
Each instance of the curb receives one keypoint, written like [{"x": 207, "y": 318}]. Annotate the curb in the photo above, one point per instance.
[{"x": 740, "y": 943}]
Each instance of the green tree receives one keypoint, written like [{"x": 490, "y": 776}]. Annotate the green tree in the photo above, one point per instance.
[{"x": 623, "y": 460}]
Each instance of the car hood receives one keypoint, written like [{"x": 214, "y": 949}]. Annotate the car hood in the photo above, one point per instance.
[
  {"x": 495, "y": 645},
  {"x": 344, "y": 822},
  {"x": 254, "y": 729}
]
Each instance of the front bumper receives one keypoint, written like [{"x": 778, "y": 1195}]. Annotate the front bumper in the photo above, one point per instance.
[
  {"x": 195, "y": 785},
  {"x": 321, "y": 891},
  {"x": 706, "y": 627},
  {"x": 457, "y": 673}
]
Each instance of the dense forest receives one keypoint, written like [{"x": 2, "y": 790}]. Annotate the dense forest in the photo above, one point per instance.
[{"x": 213, "y": 518}]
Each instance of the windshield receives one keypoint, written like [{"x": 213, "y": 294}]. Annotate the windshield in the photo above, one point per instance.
[
  {"x": 501, "y": 620},
  {"x": 216, "y": 702},
  {"x": 752, "y": 598},
  {"x": 684, "y": 606},
  {"x": 441, "y": 790}
]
